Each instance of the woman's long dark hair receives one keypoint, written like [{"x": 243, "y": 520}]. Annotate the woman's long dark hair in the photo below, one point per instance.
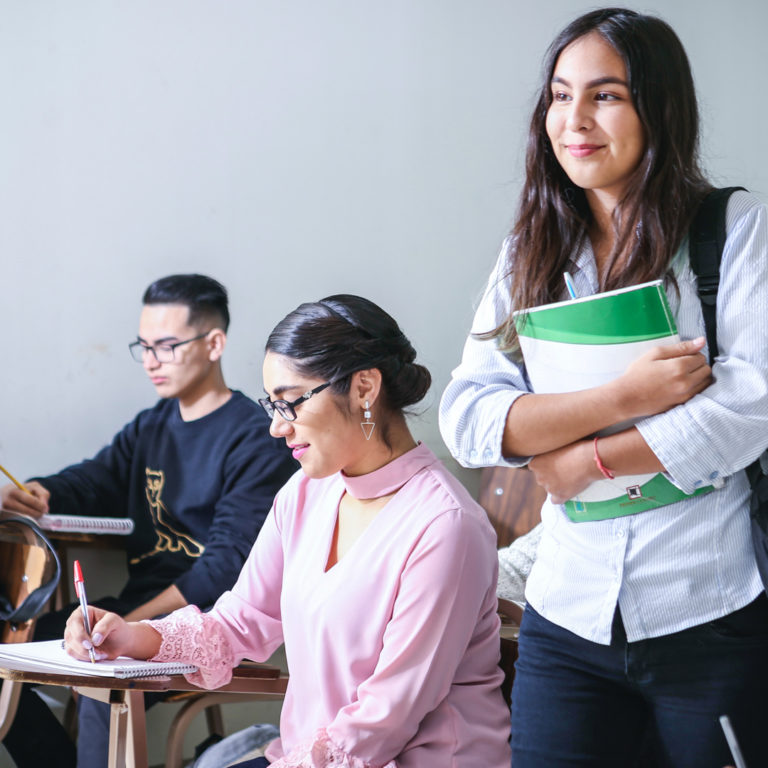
[
  {"x": 662, "y": 195},
  {"x": 333, "y": 338}
]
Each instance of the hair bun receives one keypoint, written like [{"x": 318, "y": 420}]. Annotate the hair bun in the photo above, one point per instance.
[{"x": 336, "y": 336}]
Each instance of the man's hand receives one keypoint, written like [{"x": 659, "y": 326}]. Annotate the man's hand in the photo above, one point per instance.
[{"x": 34, "y": 503}]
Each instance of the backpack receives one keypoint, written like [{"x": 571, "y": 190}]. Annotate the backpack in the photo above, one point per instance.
[{"x": 706, "y": 242}]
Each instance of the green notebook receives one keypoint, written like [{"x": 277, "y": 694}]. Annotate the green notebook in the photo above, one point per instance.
[{"x": 582, "y": 343}]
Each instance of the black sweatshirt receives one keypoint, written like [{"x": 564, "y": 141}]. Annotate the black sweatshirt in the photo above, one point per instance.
[{"x": 198, "y": 492}]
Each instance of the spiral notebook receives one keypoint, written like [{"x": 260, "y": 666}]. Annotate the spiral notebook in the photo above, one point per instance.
[
  {"x": 50, "y": 656},
  {"x": 82, "y": 524}
]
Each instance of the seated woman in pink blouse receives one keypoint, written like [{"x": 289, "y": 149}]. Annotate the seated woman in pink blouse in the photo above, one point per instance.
[{"x": 374, "y": 567}]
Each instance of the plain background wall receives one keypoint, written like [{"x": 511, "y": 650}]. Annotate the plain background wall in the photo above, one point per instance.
[{"x": 290, "y": 149}]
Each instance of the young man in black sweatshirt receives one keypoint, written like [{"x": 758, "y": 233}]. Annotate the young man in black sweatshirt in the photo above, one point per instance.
[{"x": 197, "y": 474}]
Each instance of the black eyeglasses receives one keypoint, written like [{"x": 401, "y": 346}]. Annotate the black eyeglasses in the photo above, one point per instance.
[
  {"x": 284, "y": 408},
  {"x": 163, "y": 353}
]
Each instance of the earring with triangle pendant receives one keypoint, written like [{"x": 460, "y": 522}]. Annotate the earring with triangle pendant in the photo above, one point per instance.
[{"x": 367, "y": 425}]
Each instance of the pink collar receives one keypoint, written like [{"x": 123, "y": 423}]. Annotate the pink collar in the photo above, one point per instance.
[{"x": 391, "y": 476}]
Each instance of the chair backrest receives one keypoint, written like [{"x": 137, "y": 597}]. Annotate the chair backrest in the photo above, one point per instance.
[
  {"x": 29, "y": 571},
  {"x": 512, "y": 500}
]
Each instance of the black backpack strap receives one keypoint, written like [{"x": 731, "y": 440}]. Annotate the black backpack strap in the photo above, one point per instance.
[{"x": 706, "y": 242}]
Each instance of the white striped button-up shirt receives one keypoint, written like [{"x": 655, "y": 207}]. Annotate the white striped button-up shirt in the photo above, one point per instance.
[{"x": 682, "y": 564}]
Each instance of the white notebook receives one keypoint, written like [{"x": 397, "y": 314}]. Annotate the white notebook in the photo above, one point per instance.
[
  {"x": 84, "y": 524},
  {"x": 582, "y": 343},
  {"x": 50, "y": 656}
]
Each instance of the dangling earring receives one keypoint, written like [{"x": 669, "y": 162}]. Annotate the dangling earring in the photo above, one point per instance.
[{"x": 367, "y": 425}]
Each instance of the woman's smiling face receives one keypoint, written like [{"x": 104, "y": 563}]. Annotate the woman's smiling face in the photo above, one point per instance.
[
  {"x": 325, "y": 437},
  {"x": 592, "y": 123}
]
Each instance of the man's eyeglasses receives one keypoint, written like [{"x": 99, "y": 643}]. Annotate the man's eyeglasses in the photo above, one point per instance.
[
  {"x": 284, "y": 408},
  {"x": 163, "y": 353}
]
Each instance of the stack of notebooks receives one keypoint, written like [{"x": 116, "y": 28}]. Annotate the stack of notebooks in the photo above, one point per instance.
[{"x": 582, "y": 343}]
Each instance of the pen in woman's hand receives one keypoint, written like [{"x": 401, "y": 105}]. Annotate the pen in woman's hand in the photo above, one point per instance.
[{"x": 80, "y": 590}]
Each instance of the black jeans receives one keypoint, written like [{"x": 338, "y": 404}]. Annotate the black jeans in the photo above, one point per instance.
[{"x": 577, "y": 703}]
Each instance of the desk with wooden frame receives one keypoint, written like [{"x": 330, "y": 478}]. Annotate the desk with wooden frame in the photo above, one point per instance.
[
  {"x": 127, "y": 727},
  {"x": 127, "y": 719}
]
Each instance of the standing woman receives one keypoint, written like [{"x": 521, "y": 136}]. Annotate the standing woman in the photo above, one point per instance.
[
  {"x": 375, "y": 567},
  {"x": 656, "y": 620}
]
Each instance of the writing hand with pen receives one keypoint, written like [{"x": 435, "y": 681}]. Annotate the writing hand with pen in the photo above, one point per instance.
[{"x": 111, "y": 636}]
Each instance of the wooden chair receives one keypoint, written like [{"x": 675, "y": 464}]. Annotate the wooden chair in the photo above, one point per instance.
[
  {"x": 512, "y": 500},
  {"x": 208, "y": 703},
  {"x": 26, "y": 565}
]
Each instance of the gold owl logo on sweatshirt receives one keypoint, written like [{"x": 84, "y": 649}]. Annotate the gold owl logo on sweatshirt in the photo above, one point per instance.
[{"x": 168, "y": 538}]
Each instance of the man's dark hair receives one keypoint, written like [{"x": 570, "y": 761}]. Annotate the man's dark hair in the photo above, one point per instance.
[{"x": 205, "y": 297}]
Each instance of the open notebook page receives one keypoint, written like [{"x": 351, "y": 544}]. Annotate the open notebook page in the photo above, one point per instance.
[{"x": 50, "y": 656}]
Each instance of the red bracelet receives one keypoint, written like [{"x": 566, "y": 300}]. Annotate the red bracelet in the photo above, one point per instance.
[{"x": 607, "y": 473}]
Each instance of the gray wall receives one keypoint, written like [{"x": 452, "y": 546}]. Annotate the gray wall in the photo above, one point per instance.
[{"x": 292, "y": 150}]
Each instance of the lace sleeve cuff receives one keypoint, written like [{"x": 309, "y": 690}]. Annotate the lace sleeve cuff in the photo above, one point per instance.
[
  {"x": 321, "y": 752},
  {"x": 194, "y": 637}
]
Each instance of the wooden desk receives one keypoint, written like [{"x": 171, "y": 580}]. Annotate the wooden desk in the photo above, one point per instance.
[{"x": 127, "y": 728}]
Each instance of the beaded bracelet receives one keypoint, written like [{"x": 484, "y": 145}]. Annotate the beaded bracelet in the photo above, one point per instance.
[{"x": 607, "y": 473}]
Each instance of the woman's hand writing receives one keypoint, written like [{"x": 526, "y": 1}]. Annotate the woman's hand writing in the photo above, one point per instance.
[{"x": 111, "y": 636}]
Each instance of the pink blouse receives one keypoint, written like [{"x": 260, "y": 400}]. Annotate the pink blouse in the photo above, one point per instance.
[{"x": 393, "y": 652}]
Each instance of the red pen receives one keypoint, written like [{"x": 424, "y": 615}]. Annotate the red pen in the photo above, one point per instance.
[{"x": 80, "y": 591}]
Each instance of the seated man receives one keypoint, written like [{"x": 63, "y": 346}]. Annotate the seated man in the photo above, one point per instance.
[{"x": 196, "y": 473}]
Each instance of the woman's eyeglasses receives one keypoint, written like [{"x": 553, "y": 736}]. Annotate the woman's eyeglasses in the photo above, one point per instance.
[{"x": 284, "y": 408}]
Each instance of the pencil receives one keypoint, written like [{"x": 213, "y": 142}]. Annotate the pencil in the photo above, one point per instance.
[{"x": 19, "y": 485}]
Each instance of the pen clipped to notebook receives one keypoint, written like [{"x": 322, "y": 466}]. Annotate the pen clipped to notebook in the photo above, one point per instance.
[{"x": 80, "y": 590}]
